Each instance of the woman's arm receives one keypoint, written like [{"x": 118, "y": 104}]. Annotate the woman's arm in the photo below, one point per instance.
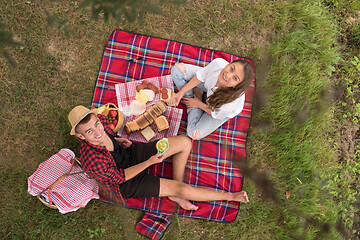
[
  {"x": 175, "y": 100},
  {"x": 132, "y": 171},
  {"x": 196, "y": 103}
]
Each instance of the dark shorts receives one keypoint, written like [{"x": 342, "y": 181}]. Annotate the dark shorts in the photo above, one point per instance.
[{"x": 143, "y": 184}]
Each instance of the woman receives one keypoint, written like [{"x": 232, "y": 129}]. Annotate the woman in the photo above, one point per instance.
[{"x": 225, "y": 84}]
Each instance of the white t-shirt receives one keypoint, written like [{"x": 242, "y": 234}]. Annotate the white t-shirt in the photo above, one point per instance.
[{"x": 209, "y": 76}]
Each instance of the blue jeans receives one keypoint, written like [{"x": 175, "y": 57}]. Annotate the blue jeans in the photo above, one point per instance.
[{"x": 198, "y": 120}]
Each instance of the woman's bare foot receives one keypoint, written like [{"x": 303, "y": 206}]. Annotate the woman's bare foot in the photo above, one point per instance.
[
  {"x": 185, "y": 204},
  {"x": 198, "y": 93},
  {"x": 241, "y": 197}
]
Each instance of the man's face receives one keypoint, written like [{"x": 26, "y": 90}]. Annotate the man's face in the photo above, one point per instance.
[{"x": 92, "y": 131}]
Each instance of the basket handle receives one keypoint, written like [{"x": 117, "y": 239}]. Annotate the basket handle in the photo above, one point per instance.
[{"x": 62, "y": 177}]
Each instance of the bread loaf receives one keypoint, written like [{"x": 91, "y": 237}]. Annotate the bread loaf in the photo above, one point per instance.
[
  {"x": 131, "y": 126},
  {"x": 146, "y": 119}
]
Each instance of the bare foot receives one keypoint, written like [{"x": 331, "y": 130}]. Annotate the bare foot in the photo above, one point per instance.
[
  {"x": 198, "y": 93},
  {"x": 185, "y": 204},
  {"x": 241, "y": 197}
]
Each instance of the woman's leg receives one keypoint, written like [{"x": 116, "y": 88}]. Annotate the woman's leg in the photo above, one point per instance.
[
  {"x": 200, "y": 124},
  {"x": 181, "y": 74}
]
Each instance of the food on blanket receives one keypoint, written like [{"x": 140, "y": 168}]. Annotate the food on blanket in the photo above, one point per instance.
[
  {"x": 143, "y": 94},
  {"x": 162, "y": 145},
  {"x": 142, "y": 97},
  {"x": 161, "y": 123},
  {"x": 131, "y": 127},
  {"x": 148, "y": 133},
  {"x": 159, "y": 107},
  {"x": 115, "y": 116},
  {"x": 137, "y": 108},
  {"x": 127, "y": 110},
  {"x": 146, "y": 85},
  {"x": 151, "y": 94},
  {"x": 112, "y": 116},
  {"x": 166, "y": 93},
  {"x": 149, "y": 117},
  {"x": 146, "y": 119},
  {"x": 142, "y": 122},
  {"x": 113, "y": 113}
]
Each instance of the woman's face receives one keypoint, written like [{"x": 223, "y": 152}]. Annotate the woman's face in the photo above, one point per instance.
[{"x": 231, "y": 75}]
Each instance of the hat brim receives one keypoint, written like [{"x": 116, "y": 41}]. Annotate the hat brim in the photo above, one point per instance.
[{"x": 95, "y": 111}]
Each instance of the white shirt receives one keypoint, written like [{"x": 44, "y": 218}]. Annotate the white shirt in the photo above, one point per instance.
[{"x": 209, "y": 76}]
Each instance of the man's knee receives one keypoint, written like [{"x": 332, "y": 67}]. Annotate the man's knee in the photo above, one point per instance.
[
  {"x": 181, "y": 66},
  {"x": 180, "y": 189},
  {"x": 186, "y": 142}
]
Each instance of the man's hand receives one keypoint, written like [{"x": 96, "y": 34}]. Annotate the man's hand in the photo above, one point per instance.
[
  {"x": 124, "y": 142},
  {"x": 157, "y": 158}
]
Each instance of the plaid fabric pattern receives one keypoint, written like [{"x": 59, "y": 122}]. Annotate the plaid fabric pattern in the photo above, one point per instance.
[
  {"x": 129, "y": 57},
  {"x": 98, "y": 163},
  {"x": 125, "y": 93},
  {"x": 153, "y": 225}
]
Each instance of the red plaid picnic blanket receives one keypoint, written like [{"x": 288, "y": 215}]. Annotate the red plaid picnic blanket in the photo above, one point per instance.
[
  {"x": 130, "y": 57},
  {"x": 125, "y": 94}
]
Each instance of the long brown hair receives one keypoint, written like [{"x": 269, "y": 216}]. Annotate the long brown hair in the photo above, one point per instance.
[{"x": 228, "y": 94}]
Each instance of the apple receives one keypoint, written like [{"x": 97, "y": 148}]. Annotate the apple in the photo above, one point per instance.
[
  {"x": 112, "y": 126},
  {"x": 113, "y": 113},
  {"x": 115, "y": 122}
]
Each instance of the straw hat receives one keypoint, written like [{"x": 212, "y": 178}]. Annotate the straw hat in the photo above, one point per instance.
[{"x": 77, "y": 114}]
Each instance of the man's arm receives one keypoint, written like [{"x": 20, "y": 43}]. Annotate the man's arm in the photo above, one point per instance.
[{"x": 132, "y": 171}]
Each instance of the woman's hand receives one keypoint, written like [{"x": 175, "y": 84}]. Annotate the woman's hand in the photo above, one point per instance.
[
  {"x": 192, "y": 102},
  {"x": 157, "y": 158},
  {"x": 175, "y": 99},
  {"x": 124, "y": 142}
]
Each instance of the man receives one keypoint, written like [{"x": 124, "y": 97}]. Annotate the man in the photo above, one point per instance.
[{"x": 121, "y": 166}]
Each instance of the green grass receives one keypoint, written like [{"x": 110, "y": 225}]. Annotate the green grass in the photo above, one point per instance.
[{"x": 299, "y": 61}]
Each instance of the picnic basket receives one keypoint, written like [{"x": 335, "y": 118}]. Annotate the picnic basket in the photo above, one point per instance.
[
  {"x": 46, "y": 199},
  {"x": 110, "y": 106}
]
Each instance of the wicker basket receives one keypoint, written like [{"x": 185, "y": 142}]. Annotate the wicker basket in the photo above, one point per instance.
[{"x": 111, "y": 106}]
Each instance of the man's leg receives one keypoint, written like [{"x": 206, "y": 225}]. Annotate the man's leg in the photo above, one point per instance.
[
  {"x": 182, "y": 191},
  {"x": 179, "y": 150},
  {"x": 176, "y": 190}
]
